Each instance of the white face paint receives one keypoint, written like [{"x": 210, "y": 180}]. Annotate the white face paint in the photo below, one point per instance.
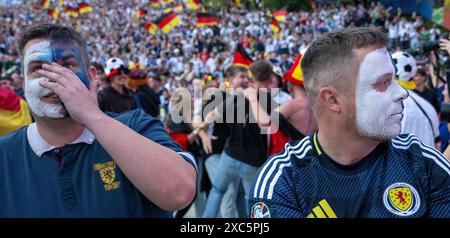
[
  {"x": 40, "y": 51},
  {"x": 378, "y": 113}
]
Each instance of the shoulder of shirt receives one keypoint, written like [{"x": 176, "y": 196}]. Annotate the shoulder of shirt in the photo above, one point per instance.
[
  {"x": 409, "y": 146},
  {"x": 280, "y": 165},
  {"x": 131, "y": 117},
  {"x": 13, "y": 139}
]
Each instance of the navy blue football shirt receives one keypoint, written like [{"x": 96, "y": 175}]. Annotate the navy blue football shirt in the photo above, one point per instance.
[
  {"x": 399, "y": 178},
  {"x": 77, "y": 180}
]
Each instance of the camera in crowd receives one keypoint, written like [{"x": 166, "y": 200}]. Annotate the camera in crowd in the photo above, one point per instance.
[{"x": 428, "y": 46}]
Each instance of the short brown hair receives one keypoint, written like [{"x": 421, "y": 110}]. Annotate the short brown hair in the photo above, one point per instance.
[
  {"x": 52, "y": 32},
  {"x": 331, "y": 58},
  {"x": 261, "y": 70},
  {"x": 234, "y": 70}
]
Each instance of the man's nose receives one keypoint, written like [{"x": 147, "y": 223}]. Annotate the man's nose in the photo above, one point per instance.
[{"x": 400, "y": 93}]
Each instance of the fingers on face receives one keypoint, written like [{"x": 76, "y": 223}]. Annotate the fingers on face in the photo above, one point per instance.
[
  {"x": 54, "y": 72},
  {"x": 55, "y": 87}
]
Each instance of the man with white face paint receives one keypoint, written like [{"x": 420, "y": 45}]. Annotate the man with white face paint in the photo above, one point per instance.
[
  {"x": 76, "y": 161},
  {"x": 357, "y": 164}
]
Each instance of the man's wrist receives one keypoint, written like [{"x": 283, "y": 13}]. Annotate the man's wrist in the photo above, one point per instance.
[{"x": 93, "y": 119}]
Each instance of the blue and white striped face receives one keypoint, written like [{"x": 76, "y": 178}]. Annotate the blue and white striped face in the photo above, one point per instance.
[
  {"x": 37, "y": 53},
  {"x": 379, "y": 97}
]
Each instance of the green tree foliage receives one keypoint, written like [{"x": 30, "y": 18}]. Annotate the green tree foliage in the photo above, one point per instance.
[{"x": 291, "y": 5}]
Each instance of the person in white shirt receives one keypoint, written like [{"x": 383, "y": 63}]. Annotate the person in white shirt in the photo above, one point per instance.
[
  {"x": 419, "y": 116},
  {"x": 393, "y": 29}
]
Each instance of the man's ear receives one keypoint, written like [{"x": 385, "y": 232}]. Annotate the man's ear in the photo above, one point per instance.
[
  {"x": 329, "y": 97},
  {"x": 92, "y": 72}
]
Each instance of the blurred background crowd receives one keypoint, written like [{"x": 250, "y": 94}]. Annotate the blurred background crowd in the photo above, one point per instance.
[{"x": 144, "y": 50}]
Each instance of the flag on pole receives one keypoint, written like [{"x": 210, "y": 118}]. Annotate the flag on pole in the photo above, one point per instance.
[
  {"x": 167, "y": 22},
  {"x": 280, "y": 15},
  {"x": 276, "y": 29},
  {"x": 151, "y": 27}
]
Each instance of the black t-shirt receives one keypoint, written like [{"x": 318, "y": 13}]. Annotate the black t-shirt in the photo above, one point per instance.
[
  {"x": 220, "y": 130},
  {"x": 431, "y": 97},
  {"x": 109, "y": 100},
  {"x": 148, "y": 100},
  {"x": 245, "y": 142}
]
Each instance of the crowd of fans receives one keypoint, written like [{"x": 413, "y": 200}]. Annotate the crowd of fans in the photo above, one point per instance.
[{"x": 138, "y": 69}]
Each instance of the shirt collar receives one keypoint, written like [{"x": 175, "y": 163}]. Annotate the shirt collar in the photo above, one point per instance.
[{"x": 40, "y": 146}]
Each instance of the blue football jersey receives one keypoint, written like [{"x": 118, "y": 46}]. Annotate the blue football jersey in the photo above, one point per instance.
[{"x": 399, "y": 178}]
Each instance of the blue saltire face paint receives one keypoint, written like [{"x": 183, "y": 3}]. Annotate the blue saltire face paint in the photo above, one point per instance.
[{"x": 69, "y": 55}]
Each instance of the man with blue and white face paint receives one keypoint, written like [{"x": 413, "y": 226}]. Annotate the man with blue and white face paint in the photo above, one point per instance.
[
  {"x": 356, "y": 164},
  {"x": 76, "y": 161}
]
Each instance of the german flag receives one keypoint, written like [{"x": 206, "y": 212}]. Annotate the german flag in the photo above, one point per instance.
[
  {"x": 167, "y": 22},
  {"x": 155, "y": 4},
  {"x": 178, "y": 7},
  {"x": 45, "y": 4},
  {"x": 139, "y": 13},
  {"x": 275, "y": 28},
  {"x": 14, "y": 112},
  {"x": 206, "y": 19},
  {"x": 241, "y": 57},
  {"x": 72, "y": 11},
  {"x": 280, "y": 15},
  {"x": 84, "y": 8},
  {"x": 193, "y": 4},
  {"x": 54, "y": 13},
  {"x": 151, "y": 27},
  {"x": 295, "y": 75}
]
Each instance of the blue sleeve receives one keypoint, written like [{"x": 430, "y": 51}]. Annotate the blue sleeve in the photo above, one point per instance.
[
  {"x": 438, "y": 173},
  {"x": 273, "y": 195},
  {"x": 153, "y": 129}
]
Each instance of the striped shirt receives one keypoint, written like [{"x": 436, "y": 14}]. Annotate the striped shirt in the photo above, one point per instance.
[{"x": 399, "y": 178}]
